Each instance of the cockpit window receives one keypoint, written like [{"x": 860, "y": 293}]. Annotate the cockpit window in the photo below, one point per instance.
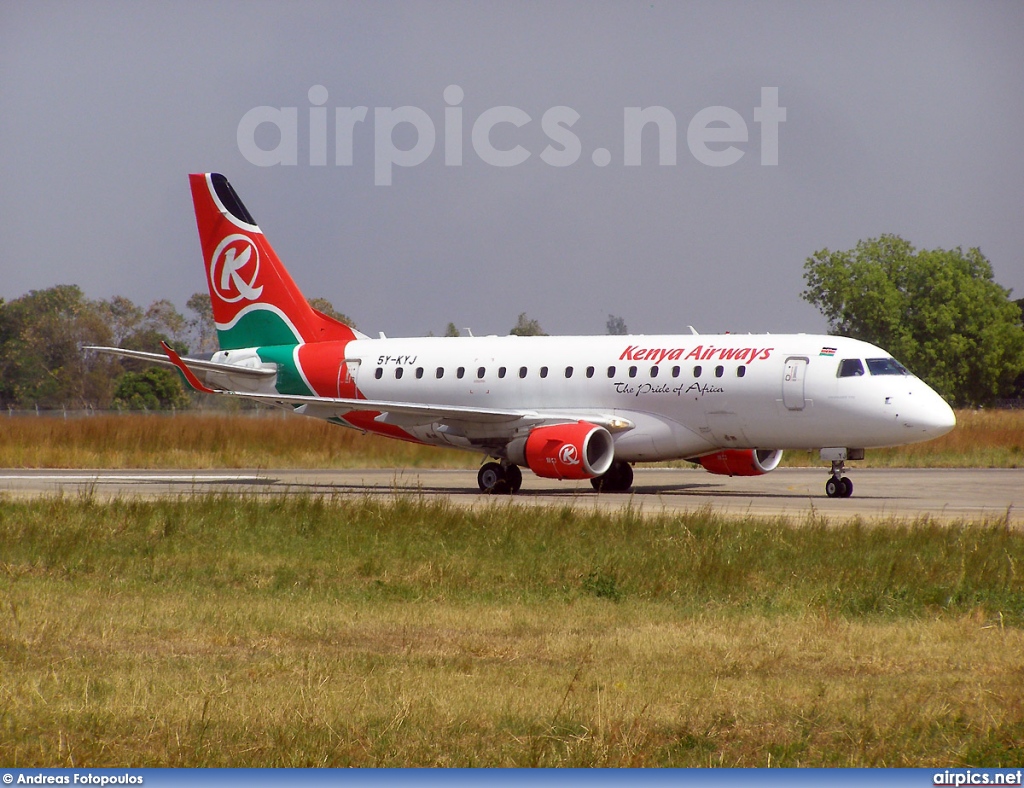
[
  {"x": 886, "y": 366},
  {"x": 850, "y": 367}
]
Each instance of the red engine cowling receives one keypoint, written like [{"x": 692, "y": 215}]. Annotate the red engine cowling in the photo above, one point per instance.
[
  {"x": 741, "y": 462},
  {"x": 565, "y": 451}
]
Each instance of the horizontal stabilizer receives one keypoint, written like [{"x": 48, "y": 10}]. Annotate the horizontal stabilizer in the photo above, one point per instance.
[{"x": 193, "y": 363}]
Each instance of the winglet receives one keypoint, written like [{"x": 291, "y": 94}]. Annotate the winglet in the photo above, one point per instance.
[{"x": 190, "y": 376}]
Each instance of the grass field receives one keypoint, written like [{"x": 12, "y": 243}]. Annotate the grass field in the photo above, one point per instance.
[
  {"x": 301, "y": 631},
  {"x": 985, "y": 439},
  {"x": 208, "y": 440}
]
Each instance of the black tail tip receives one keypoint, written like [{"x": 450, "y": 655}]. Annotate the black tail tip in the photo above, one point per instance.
[{"x": 230, "y": 199}]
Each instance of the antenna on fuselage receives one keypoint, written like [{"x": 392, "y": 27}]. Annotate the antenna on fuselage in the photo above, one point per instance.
[{"x": 693, "y": 331}]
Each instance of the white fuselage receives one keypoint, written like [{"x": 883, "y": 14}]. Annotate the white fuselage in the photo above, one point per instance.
[{"x": 685, "y": 395}]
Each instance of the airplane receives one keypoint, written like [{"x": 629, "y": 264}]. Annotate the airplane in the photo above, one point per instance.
[{"x": 569, "y": 407}]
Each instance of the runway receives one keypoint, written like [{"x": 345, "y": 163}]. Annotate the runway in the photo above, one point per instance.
[{"x": 879, "y": 494}]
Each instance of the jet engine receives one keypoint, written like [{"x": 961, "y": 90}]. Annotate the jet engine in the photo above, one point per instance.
[
  {"x": 741, "y": 462},
  {"x": 565, "y": 451}
]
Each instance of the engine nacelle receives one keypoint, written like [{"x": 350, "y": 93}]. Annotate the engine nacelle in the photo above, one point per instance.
[
  {"x": 565, "y": 451},
  {"x": 741, "y": 462}
]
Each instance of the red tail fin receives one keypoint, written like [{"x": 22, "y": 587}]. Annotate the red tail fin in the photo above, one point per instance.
[{"x": 255, "y": 301}]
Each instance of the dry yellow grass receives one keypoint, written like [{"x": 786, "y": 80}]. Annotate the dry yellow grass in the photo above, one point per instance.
[
  {"x": 985, "y": 439},
  {"x": 207, "y": 440}
]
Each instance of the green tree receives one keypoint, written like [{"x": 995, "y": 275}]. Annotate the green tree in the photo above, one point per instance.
[
  {"x": 939, "y": 311},
  {"x": 40, "y": 361},
  {"x": 151, "y": 389},
  {"x": 1018, "y": 385},
  {"x": 451, "y": 330},
  {"x": 616, "y": 325},
  {"x": 527, "y": 327},
  {"x": 135, "y": 329},
  {"x": 325, "y": 307},
  {"x": 201, "y": 327},
  {"x": 123, "y": 317},
  {"x": 162, "y": 317}
]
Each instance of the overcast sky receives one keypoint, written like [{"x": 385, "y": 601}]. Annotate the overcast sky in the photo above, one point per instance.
[{"x": 900, "y": 117}]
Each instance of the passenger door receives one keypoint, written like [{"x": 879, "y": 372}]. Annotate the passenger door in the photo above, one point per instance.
[{"x": 794, "y": 374}]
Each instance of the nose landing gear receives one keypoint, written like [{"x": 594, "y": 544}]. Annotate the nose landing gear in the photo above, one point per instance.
[{"x": 838, "y": 486}]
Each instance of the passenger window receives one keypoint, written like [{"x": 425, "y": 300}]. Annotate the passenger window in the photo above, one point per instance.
[
  {"x": 719, "y": 371},
  {"x": 696, "y": 371},
  {"x": 632, "y": 372},
  {"x": 419, "y": 372},
  {"x": 501, "y": 372},
  {"x": 398, "y": 373},
  {"x": 568, "y": 372},
  {"x": 378, "y": 373},
  {"x": 460, "y": 373},
  {"x": 611, "y": 372},
  {"x": 522, "y": 372},
  {"x": 850, "y": 367},
  {"x": 439, "y": 373},
  {"x": 654, "y": 371},
  {"x": 741, "y": 371},
  {"x": 675, "y": 372},
  {"x": 590, "y": 372},
  {"x": 480, "y": 372},
  {"x": 543, "y": 372}
]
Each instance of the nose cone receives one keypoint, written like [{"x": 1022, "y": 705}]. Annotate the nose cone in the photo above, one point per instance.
[
  {"x": 938, "y": 418},
  {"x": 928, "y": 415}
]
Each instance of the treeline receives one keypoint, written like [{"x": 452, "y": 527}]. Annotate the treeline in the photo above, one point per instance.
[{"x": 42, "y": 364}]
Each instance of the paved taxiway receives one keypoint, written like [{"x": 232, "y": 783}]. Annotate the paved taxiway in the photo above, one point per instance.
[{"x": 795, "y": 492}]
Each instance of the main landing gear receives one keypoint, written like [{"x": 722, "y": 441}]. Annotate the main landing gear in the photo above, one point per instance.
[
  {"x": 499, "y": 478},
  {"x": 618, "y": 478},
  {"x": 505, "y": 478},
  {"x": 838, "y": 486}
]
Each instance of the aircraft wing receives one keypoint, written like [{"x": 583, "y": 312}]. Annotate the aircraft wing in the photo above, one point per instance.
[
  {"x": 406, "y": 413},
  {"x": 193, "y": 363},
  {"x": 412, "y": 414},
  {"x": 403, "y": 414}
]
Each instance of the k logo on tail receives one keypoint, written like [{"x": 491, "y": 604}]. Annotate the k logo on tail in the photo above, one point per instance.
[{"x": 232, "y": 277}]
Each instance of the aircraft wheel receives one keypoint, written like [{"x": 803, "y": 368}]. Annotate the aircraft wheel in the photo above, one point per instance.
[
  {"x": 514, "y": 478},
  {"x": 624, "y": 476},
  {"x": 618, "y": 478},
  {"x": 491, "y": 478},
  {"x": 847, "y": 490},
  {"x": 834, "y": 487}
]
